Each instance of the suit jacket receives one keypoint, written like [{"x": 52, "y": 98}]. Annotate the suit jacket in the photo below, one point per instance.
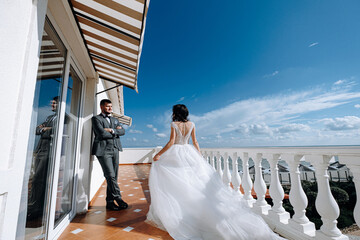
[
  {"x": 104, "y": 139},
  {"x": 46, "y": 136}
]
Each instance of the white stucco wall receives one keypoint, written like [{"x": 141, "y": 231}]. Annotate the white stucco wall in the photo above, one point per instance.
[
  {"x": 21, "y": 28},
  {"x": 137, "y": 155}
]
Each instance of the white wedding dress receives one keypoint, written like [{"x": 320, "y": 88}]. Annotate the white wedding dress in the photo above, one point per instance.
[{"x": 189, "y": 200}]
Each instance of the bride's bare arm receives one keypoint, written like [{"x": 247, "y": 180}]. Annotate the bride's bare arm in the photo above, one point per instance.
[
  {"x": 167, "y": 146},
  {"x": 195, "y": 142}
]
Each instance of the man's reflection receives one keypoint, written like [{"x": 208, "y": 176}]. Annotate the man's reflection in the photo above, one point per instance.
[{"x": 42, "y": 154}]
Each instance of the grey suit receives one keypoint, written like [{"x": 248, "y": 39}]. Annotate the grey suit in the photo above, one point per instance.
[
  {"x": 106, "y": 147},
  {"x": 42, "y": 159}
]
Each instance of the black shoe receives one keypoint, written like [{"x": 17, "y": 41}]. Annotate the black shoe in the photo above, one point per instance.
[
  {"x": 112, "y": 206},
  {"x": 122, "y": 204}
]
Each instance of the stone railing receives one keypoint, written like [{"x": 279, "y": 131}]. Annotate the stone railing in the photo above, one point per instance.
[{"x": 298, "y": 226}]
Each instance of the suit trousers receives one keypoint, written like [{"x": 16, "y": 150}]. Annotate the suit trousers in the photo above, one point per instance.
[{"x": 110, "y": 166}]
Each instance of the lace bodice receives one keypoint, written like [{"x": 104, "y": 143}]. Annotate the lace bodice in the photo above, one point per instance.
[{"x": 182, "y": 138}]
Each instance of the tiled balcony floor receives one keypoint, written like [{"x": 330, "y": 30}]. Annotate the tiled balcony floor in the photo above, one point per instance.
[{"x": 98, "y": 223}]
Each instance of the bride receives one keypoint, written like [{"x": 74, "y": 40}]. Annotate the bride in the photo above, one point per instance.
[{"x": 188, "y": 198}]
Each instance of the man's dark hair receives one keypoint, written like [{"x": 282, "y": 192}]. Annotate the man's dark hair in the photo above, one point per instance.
[
  {"x": 56, "y": 98},
  {"x": 104, "y": 101}
]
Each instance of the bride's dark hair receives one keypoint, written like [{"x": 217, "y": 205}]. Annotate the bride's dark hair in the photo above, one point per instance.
[{"x": 180, "y": 113}]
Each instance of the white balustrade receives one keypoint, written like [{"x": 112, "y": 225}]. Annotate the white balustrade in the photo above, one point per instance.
[
  {"x": 235, "y": 178},
  {"x": 325, "y": 203},
  {"x": 226, "y": 174},
  {"x": 218, "y": 161},
  {"x": 246, "y": 180},
  {"x": 277, "y": 212},
  {"x": 298, "y": 227},
  {"x": 260, "y": 205}
]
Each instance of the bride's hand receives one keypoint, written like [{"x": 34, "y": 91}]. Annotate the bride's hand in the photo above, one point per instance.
[{"x": 156, "y": 157}]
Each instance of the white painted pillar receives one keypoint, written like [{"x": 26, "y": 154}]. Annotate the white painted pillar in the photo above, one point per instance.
[
  {"x": 353, "y": 163},
  {"x": 325, "y": 203},
  {"x": 235, "y": 178},
  {"x": 298, "y": 198},
  {"x": 277, "y": 212},
  {"x": 226, "y": 175},
  {"x": 212, "y": 161},
  {"x": 260, "y": 206},
  {"x": 218, "y": 161},
  {"x": 246, "y": 180}
]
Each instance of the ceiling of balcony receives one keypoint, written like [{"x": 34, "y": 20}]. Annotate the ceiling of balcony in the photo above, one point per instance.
[{"x": 113, "y": 31}]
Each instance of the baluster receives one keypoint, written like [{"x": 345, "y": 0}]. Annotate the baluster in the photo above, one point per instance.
[
  {"x": 212, "y": 160},
  {"x": 246, "y": 180},
  {"x": 218, "y": 161},
  {"x": 353, "y": 163},
  {"x": 226, "y": 175},
  {"x": 298, "y": 198},
  {"x": 235, "y": 178},
  {"x": 355, "y": 169},
  {"x": 325, "y": 203},
  {"x": 260, "y": 206},
  {"x": 276, "y": 191}
]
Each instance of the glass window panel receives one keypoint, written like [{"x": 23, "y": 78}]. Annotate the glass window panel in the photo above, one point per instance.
[
  {"x": 68, "y": 153},
  {"x": 42, "y": 140}
]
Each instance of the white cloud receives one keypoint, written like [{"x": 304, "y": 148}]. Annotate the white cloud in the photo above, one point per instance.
[
  {"x": 344, "y": 123},
  {"x": 293, "y": 127},
  {"x": 313, "y": 44},
  {"x": 272, "y": 110},
  {"x": 161, "y": 135},
  {"x": 357, "y": 105},
  {"x": 271, "y": 74},
  {"x": 181, "y": 99},
  {"x": 152, "y": 127},
  {"x": 135, "y": 131},
  {"x": 145, "y": 140},
  {"x": 346, "y": 83},
  {"x": 339, "y": 82}
]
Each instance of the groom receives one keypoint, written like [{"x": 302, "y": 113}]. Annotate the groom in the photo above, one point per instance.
[{"x": 106, "y": 147}]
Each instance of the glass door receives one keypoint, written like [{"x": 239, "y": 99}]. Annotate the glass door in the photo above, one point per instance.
[
  {"x": 49, "y": 183},
  {"x": 65, "y": 182},
  {"x": 44, "y": 131}
]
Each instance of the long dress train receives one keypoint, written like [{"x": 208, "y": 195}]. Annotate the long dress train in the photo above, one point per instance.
[{"x": 189, "y": 200}]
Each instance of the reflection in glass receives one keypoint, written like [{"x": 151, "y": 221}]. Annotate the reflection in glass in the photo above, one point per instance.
[
  {"x": 68, "y": 152},
  {"x": 42, "y": 140}
]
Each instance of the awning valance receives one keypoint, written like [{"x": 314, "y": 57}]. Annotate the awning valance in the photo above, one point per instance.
[{"x": 113, "y": 31}]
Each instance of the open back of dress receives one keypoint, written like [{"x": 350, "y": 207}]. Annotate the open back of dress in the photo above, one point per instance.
[{"x": 183, "y": 135}]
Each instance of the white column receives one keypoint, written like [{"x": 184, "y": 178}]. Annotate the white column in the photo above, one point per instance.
[
  {"x": 218, "y": 161},
  {"x": 277, "y": 212},
  {"x": 260, "y": 206},
  {"x": 298, "y": 198},
  {"x": 212, "y": 161},
  {"x": 246, "y": 180},
  {"x": 235, "y": 178},
  {"x": 325, "y": 203},
  {"x": 353, "y": 163},
  {"x": 226, "y": 175}
]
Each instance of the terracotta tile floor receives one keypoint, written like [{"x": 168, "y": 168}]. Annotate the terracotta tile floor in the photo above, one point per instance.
[{"x": 98, "y": 223}]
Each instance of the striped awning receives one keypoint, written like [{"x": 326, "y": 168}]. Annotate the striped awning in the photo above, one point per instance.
[{"x": 113, "y": 31}]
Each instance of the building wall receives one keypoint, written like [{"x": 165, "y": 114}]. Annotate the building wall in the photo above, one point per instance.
[{"x": 21, "y": 28}]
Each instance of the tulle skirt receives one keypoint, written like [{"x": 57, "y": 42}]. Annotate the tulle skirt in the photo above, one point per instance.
[{"x": 189, "y": 201}]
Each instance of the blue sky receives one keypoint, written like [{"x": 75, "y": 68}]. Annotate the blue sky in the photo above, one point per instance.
[{"x": 252, "y": 73}]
